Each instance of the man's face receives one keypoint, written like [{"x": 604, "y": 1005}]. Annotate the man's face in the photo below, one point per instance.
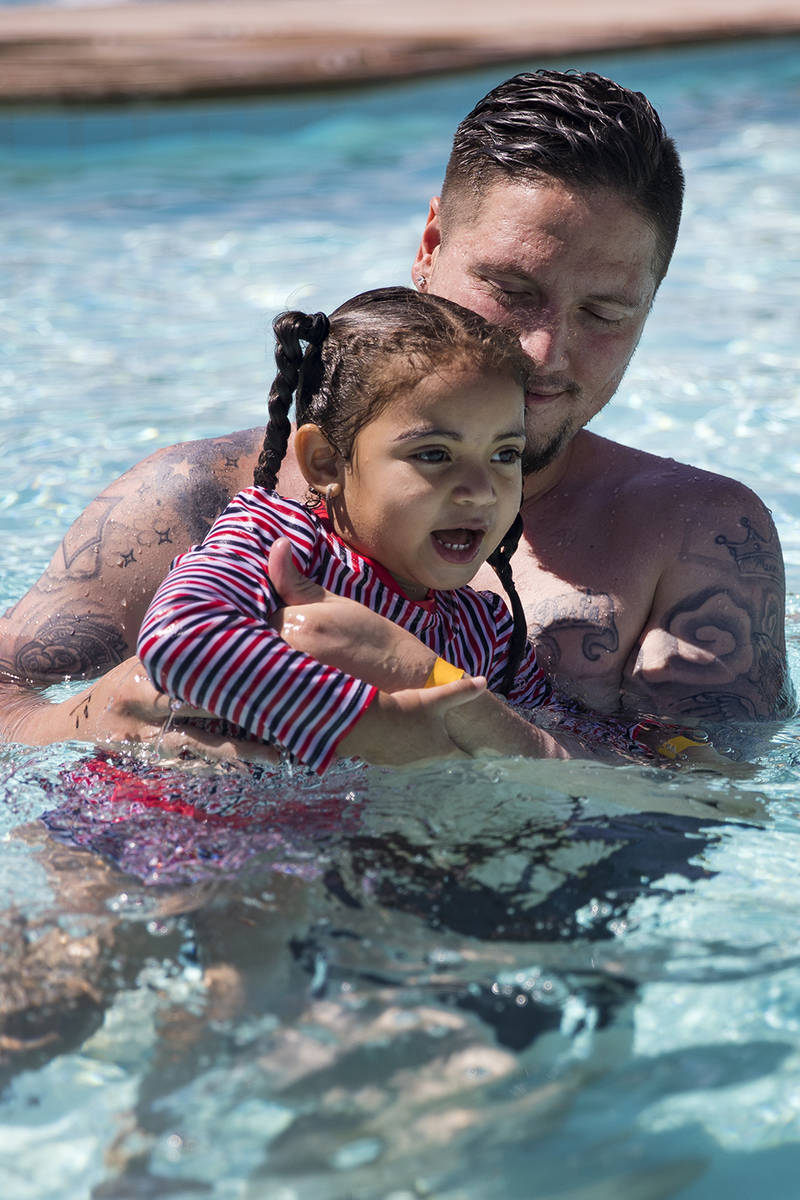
[{"x": 570, "y": 271}]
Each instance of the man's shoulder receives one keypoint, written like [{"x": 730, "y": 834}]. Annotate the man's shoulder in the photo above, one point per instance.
[
  {"x": 192, "y": 481},
  {"x": 654, "y": 510},
  {"x": 638, "y": 476},
  {"x": 232, "y": 455}
]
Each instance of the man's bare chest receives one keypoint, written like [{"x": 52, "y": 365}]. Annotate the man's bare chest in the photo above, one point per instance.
[{"x": 585, "y": 612}]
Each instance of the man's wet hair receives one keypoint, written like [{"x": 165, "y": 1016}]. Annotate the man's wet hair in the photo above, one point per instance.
[{"x": 575, "y": 127}]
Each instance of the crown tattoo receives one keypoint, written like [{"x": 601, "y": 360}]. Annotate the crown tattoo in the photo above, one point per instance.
[{"x": 752, "y": 555}]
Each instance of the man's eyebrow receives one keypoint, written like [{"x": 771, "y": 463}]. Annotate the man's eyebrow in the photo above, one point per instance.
[{"x": 619, "y": 300}]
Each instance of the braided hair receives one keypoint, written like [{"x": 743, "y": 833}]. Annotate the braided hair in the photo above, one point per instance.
[
  {"x": 342, "y": 371},
  {"x": 500, "y": 560},
  {"x": 299, "y": 371}
]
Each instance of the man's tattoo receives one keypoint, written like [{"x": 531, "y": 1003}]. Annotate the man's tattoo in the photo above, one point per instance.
[
  {"x": 721, "y": 622},
  {"x": 81, "y": 709},
  {"x": 589, "y": 615},
  {"x": 197, "y": 496},
  {"x": 717, "y": 708},
  {"x": 80, "y": 548},
  {"x": 77, "y": 646},
  {"x": 756, "y": 553},
  {"x": 742, "y": 629},
  {"x": 127, "y": 558}
]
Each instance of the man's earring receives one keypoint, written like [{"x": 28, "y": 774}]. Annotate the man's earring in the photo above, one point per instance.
[{"x": 332, "y": 490}]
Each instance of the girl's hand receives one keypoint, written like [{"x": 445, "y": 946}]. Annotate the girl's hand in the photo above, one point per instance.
[
  {"x": 343, "y": 633},
  {"x": 409, "y": 726}
]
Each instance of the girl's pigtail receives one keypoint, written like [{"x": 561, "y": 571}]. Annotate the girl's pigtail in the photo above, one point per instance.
[
  {"x": 299, "y": 372},
  {"x": 500, "y": 559}
]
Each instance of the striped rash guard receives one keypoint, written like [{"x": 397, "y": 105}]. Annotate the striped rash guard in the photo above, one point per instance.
[{"x": 206, "y": 637}]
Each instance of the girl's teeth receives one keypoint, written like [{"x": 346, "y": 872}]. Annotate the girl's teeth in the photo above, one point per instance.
[{"x": 450, "y": 544}]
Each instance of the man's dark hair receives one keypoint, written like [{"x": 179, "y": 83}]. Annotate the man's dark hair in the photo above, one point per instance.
[{"x": 578, "y": 128}]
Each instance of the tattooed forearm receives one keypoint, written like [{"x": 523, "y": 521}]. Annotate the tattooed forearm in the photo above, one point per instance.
[
  {"x": 79, "y": 713},
  {"x": 76, "y": 647},
  {"x": 717, "y": 708}
]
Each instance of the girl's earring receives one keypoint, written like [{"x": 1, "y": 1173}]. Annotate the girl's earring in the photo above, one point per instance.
[
  {"x": 332, "y": 491},
  {"x": 421, "y": 282}
]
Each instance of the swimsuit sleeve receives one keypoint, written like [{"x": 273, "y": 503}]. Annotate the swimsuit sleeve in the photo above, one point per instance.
[{"x": 206, "y": 638}]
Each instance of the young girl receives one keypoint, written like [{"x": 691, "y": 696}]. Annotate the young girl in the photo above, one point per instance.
[{"x": 410, "y": 435}]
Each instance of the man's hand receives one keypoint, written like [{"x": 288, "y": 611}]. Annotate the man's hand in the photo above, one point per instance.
[
  {"x": 410, "y": 726},
  {"x": 343, "y": 633}
]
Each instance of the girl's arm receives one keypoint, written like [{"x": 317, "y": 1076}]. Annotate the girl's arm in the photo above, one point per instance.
[
  {"x": 206, "y": 641},
  {"x": 346, "y": 634}
]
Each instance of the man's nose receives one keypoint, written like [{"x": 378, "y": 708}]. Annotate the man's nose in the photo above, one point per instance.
[{"x": 545, "y": 342}]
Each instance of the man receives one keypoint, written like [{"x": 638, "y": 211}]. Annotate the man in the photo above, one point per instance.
[{"x": 646, "y": 583}]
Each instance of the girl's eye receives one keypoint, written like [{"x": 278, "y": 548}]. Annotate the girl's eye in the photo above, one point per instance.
[
  {"x": 430, "y": 456},
  {"x": 509, "y": 454}
]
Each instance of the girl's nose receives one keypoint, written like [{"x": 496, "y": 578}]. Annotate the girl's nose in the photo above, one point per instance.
[{"x": 474, "y": 486}]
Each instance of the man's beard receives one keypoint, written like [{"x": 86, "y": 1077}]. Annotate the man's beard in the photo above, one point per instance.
[{"x": 536, "y": 458}]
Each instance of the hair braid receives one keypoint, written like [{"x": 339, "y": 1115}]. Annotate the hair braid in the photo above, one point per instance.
[
  {"x": 299, "y": 372},
  {"x": 500, "y": 559}
]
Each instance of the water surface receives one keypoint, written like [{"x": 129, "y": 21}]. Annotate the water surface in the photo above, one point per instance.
[{"x": 505, "y": 980}]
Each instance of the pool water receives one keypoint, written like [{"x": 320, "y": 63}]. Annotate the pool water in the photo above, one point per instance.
[{"x": 505, "y": 979}]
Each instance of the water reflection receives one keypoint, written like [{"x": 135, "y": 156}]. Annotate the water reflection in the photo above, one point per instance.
[{"x": 354, "y": 987}]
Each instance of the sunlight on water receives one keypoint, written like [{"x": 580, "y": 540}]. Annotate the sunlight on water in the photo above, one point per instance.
[{"x": 494, "y": 980}]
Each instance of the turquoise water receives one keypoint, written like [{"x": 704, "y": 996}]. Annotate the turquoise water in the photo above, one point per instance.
[{"x": 512, "y": 981}]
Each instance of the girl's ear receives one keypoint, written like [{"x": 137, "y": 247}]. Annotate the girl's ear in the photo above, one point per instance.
[{"x": 319, "y": 463}]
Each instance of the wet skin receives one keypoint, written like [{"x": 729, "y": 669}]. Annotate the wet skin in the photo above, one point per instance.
[{"x": 636, "y": 572}]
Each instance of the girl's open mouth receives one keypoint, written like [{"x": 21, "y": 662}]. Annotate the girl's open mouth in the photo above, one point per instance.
[{"x": 457, "y": 545}]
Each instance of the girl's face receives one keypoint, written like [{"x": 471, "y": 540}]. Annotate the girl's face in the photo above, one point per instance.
[{"x": 435, "y": 481}]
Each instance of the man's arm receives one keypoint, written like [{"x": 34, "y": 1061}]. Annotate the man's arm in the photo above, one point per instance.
[
  {"x": 713, "y": 649},
  {"x": 82, "y": 617}
]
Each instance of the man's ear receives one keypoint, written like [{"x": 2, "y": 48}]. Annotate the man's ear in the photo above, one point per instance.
[
  {"x": 428, "y": 246},
  {"x": 318, "y": 461}
]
